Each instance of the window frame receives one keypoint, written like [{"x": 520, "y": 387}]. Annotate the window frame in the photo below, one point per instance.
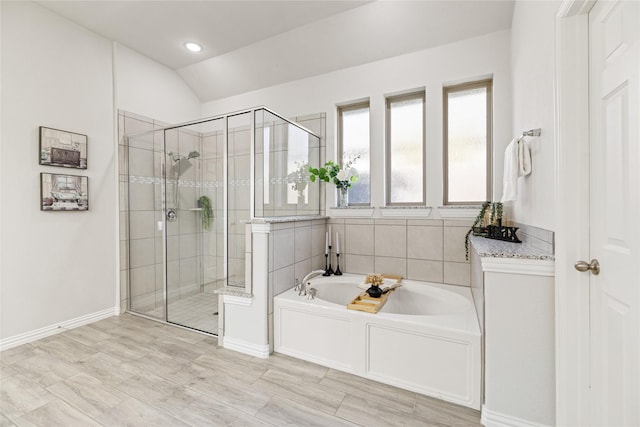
[
  {"x": 340, "y": 145},
  {"x": 421, "y": 94},
  {"x": 446, "y": 90}
]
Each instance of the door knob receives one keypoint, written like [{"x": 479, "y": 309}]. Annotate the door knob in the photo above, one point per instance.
[{"x": 594, "y": 266}]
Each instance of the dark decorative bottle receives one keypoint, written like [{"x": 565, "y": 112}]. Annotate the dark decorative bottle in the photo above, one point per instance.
[{"x": 374, "y": 291}]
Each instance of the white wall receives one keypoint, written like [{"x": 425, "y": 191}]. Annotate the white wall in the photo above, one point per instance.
[
  {"x": 431, "y": 69},
  {"x": 60, "y": 266},
  {"x": 55, "y": 266},
  {"x": 532, "y": 71},
  {"x": 146, "y": 87}
]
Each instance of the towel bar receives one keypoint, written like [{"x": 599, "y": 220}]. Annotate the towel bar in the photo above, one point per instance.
[{"x": 532, "y": 132}]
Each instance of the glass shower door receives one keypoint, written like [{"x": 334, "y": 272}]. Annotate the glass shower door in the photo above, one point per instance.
[{"x": 193, "y": 224}]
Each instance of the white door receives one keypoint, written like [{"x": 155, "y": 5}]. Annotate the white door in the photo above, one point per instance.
[{"x": 614, "y": 58}]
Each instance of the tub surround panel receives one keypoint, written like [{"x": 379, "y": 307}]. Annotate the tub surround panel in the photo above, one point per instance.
[
  {"x": 391, "y": 240},
  {"x": 390, "y": 265},
  {"x": 301, "y": 244},
  {"x": 457, "y": 273},
  {"x": 454, "y": 243},
  {"x": 326, "y": 340},
  {"x": 284, "y": 278},
  {"x": 284, "y": 241},
  {"x": 425, "y": 270},
  {"x": 441, "y": 346},
  {"x": 438, "y": 353},
  {"x": 419, "y": 249},
  {"x": 360, "y": 238},
  {"x": 425, "y": 242},
  {"x": 359, "y": 264},
  {"x": 276, "y": 262}
]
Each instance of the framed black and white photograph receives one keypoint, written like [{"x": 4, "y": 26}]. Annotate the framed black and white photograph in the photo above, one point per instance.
[
  {"x": 64, "y": 192},
  {"x": 62, "y": 148}
]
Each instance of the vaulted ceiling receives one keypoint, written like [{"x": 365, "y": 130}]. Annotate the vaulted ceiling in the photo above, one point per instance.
[{"x": 248, "y": 45}]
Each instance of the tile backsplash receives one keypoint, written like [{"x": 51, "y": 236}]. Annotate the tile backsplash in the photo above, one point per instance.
[
  {"x": 538, "y": 238},
  {"x": 430, "y": 250}
]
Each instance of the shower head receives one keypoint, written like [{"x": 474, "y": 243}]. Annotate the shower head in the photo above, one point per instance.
[
  {"x": 181, "y": 166},
  {"x": 182, "y": 163}
]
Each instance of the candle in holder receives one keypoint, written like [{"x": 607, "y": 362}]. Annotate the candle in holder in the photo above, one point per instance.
[
  {"x": 337, "y": 243},
  {"x": 326, "y": 243},
  {"x": 329, "y": 234}
]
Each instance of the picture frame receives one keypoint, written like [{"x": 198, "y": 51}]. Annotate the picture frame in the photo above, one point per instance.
[
  {"x": 62, "y": 148},
  {"x": 61, "y": 192}
]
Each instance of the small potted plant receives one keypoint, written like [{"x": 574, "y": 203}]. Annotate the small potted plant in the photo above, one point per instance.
[
  {"x": 480, "y": 224},
  {"x": 206, "y": 214},
  {"x": 375, "y": 280},
  {"x": 342, "y": 177}
]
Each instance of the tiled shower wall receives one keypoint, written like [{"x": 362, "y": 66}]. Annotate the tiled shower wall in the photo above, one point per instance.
[{"x": 141, "y": 241}]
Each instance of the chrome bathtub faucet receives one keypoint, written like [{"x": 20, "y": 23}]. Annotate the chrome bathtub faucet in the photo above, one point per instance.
[{"x": 301, "y": 286}]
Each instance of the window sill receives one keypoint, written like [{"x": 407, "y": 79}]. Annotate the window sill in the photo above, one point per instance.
[
  {"x": 352, "y": 212},
  {"x": 458, "y": 212},
  {"x": 405, "y": 211}
]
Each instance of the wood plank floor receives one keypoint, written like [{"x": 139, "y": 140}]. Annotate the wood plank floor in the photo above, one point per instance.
[{"x": 131, "y": 371}]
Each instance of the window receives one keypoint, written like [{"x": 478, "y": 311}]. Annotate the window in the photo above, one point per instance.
[
  {"x": 353, "y": 141},
  {"x": 406, "y": 149},
  {"x": 467, "y": 143}
]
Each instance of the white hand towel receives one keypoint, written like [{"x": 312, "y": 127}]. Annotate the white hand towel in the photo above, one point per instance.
[
  {"x": 510, "y": 177},
  {"x": 524, "y": 158}
]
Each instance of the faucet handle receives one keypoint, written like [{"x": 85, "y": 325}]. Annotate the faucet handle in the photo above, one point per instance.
[
  {"x": 312, "y": 293},
  {"x": 297, "y": 287}
]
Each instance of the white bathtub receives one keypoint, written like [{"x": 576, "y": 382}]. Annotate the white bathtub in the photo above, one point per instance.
[{"x": 425, "y": 339}]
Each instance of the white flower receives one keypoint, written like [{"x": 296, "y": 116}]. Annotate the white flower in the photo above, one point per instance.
[
  {"x": 353, "y": 172},
  {"x": 343, "y": 175}
]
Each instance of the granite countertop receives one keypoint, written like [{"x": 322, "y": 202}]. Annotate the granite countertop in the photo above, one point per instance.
[
  {"x": 232, "y": 291},
  {"x": 491, "y": 248}
]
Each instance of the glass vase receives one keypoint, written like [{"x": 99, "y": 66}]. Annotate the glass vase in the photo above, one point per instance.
[{"x": 343, "y": 197}]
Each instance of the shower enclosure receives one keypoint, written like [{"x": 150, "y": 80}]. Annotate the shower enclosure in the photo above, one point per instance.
[{"x": 191, "y": 189}]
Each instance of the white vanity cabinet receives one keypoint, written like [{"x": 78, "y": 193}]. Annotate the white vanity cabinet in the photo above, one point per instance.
[{"x": 513, "y": 289}]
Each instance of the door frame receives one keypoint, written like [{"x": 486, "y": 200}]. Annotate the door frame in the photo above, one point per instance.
[{"x": 572, "y": 211}]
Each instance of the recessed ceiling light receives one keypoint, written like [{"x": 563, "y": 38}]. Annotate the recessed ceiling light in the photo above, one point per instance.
[{"x": 193, "y": 47}]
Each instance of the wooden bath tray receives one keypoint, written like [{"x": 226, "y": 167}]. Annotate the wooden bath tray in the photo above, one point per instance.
[{"x": 364, "y": 302}]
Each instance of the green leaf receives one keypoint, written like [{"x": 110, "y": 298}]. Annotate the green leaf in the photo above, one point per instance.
[{"x": 312, "y": 178}]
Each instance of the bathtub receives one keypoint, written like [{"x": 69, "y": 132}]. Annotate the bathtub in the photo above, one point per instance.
[{"x": 425, "y": 339}]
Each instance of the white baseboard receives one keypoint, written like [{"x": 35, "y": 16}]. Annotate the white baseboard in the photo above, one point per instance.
[
  {"x": 495, "y": 419},
  {"x": 261, "y": 351},
  {"x": 37, "y": 334}
]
